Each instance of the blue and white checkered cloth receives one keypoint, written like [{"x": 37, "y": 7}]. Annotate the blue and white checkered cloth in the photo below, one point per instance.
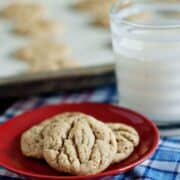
[{"x": 163, "y": 165}]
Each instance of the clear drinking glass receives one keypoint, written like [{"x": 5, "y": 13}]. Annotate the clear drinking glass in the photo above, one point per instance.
[{"x": 146, "y": 43}]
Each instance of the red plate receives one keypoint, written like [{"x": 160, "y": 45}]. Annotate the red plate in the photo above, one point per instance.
[{"x": 10, "y": 132}]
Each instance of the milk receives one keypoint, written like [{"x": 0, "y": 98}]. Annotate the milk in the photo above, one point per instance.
[{"x": 148, "y": 68}]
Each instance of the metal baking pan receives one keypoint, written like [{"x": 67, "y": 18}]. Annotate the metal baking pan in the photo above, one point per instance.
[
  {"x": 68, "y": 80},
  {"x": 89, "y": 46}
]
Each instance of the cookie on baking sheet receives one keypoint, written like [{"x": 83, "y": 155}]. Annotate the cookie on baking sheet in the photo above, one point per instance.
[
  {"x": 78, "y": 144},
  {"x": 102, "y": 21},
  {"x": 127, "y": 139},
  {"x": 92, "y": 5},
  {"x": 86, "y": 5},
  {"x": 32, "y": 141},
  {"x": 101, "y": 15},
  {"x": 42, "y": 50},
  {"x": 40, "y": 27},
  {"x": 21, "y": 10},
  {"x": 50, "y": 66}
]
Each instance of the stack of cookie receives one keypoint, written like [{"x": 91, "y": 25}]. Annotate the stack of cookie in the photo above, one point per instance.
[
  {"x": 99, "y": 9},
  {"x": 79, "y": 144},
  {"x": 43, "y": 53}
]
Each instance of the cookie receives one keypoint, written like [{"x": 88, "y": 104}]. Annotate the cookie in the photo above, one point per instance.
[
  {"x": 32, "y": 141},
  {"x": 101, "y": 12},
  {"x": 50, "y": 66},
  {"x": 43, "y": 50},
  {"x": 92, "y": 5},
  {"x": 102, "y": 21},
  {"x": 127, "y": 139},
  {"x": 23, "y": 11},
  {"x": 40, "y": 27},
  {"x": 101, "y": 15},
  {"x": 86, "y": 5},
  {"x": 124, "y": 148},
  {"x": 126, "y": 131},
  {"x": 78, "y": 144}
]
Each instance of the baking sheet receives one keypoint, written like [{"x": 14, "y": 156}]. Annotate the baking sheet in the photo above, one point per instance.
[{"x": 89, "y": 44}]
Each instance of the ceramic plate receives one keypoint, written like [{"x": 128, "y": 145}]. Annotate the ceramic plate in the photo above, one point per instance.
[{"x": 12, "y": 158}]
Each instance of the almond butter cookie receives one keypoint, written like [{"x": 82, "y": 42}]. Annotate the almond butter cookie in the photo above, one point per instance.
[
  {"x": 32, "y": 141},
  {"x": 78, "y": 144},
  {"x": 40, "y": 27},
  {"x": 51, "y": 66},
  {"x": 93, "y": 5},
  {"x": 127, "y": 139},
  {"x": 102, "y": 21},
  {"x": 101, "y": 14},
  {"x": 21, "y": 11},
  {"x": 42, "y": 50}
]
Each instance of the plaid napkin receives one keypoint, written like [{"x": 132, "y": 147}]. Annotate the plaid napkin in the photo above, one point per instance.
[{"x": 164, "y": 164}]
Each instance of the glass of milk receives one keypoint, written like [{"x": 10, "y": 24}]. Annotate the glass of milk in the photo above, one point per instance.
[{"x": 146, "y": 43}]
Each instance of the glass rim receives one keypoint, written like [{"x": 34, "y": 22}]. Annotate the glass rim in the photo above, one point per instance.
[{"x": 113, "y": 17}]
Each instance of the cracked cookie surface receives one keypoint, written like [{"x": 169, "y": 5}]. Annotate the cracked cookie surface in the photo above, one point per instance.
[
  {"x": 78, "y": 144},
  {"x": 127, "y": 139},
  {"x": 32, "y": 141}
]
